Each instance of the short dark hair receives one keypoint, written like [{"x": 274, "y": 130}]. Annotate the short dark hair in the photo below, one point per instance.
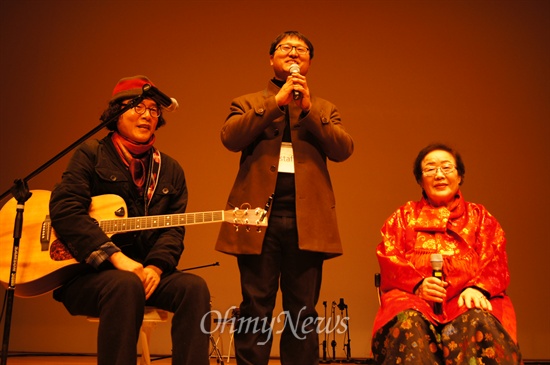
[
  {"x": 291, "y": 33},
  {"x": 114, "y": 107},
  {"x": 417, "y": 168}
]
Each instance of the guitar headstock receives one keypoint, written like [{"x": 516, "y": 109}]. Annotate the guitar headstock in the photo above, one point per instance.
[{"x": 247, "y": 216}]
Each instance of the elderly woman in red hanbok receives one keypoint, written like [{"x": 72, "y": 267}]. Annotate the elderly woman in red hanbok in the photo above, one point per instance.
[{"x": 463, "y": 316}]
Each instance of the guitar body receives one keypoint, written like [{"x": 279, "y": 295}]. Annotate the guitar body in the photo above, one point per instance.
[
  {"x": 43, "y": 261},
  {"x": 43, "y": 264}
]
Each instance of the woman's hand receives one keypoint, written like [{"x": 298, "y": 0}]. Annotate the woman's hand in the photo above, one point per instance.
[
  {"x": 432, "y": 289},
  {"x": 473, "y": 298}
]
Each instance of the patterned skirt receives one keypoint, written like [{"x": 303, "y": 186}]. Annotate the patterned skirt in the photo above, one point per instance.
[{"x": 474, "y": 338}]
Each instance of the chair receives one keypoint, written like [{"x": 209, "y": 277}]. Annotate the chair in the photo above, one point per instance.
[{"x": 151, "y": 318}]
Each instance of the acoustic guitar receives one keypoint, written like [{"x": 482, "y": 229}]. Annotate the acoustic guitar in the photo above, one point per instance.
[{"x": 43, "y": 261}]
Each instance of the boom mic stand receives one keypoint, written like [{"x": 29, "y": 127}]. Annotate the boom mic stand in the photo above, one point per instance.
[
  {"x": 215, "y": 349},
  {"x": 202, "y": 266},
  {"x": 21, "y": 193},
  {"x": 324, "y": 360}
]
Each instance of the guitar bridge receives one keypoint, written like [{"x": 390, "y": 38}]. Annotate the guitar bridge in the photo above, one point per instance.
[{"x": 45, "y": 234}]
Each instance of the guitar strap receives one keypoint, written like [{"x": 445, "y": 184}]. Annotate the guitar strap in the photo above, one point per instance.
[{"x": 154, "y": 171}]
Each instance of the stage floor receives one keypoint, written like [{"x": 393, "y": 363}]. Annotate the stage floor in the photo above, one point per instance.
[{"x": 89, "y": 360}]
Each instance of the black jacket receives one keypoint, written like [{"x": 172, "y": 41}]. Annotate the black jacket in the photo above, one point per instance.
[{"x": 96, "y": 169}]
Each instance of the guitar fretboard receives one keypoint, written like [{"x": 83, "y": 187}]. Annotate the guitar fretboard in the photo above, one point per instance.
[{"x": 159, "y": 221}]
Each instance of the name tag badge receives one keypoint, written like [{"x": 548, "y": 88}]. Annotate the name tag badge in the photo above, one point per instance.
[{"x": 286, "y": 158}]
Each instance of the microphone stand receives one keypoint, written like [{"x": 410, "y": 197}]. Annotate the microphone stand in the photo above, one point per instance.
[
  {"x": 215, "y": 349},
  {"x": 333, "y": 342},
  {"x": 347, "y": 346},
  {"x": 21, "y": 193},
  {"x": 200, "y": 267},
  {"x": 324, "y": 360}
]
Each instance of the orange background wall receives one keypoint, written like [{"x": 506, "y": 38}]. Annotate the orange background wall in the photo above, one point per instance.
[{"x": 474, "y": 74}]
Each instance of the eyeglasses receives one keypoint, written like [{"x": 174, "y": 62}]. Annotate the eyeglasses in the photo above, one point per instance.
[
  {"x": 432, "y": 171},
  {"x": 287, "y": 48},
  {"x": 141, "y": 108}
]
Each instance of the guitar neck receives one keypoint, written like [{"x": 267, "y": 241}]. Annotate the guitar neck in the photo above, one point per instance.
[{"x": 119, "y": 225}]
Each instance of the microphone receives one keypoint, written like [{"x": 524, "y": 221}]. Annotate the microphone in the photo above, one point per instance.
[
  {"x": 294, "y": 68},
  {"x": 437, "y": 271},
  {"x": 167, "y": 103},
  {"x": 342, "y": 305}
]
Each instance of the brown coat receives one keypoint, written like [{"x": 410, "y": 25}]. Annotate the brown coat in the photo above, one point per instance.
[{"x": 254, "y": 127}]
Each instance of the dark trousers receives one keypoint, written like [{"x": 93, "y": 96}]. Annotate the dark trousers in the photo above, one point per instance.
[
  {"x": 299, "y": 274},
  {"x": 117, "y": 298}
]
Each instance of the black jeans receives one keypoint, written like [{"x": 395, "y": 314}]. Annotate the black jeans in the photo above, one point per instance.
[
  {"x": 299, "y": 274},
  {"x": 117, "y": 298}
]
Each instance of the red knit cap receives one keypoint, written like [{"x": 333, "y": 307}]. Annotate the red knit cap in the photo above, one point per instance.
[{"x": 129, "y": 87}]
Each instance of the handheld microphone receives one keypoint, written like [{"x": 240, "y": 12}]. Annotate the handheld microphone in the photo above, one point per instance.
[
  {"x": 167, "y": 103},
  {"x": 437, "y": 271},
  {"x": 294, "y": 68}
]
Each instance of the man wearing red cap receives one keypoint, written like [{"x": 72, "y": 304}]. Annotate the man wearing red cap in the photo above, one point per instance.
[{"x": 128, "y": 271}]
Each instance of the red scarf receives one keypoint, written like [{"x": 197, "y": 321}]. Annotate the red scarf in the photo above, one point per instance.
[
  {"x": 135, "y": 155},
  {"x": 439, "y": 219}
]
